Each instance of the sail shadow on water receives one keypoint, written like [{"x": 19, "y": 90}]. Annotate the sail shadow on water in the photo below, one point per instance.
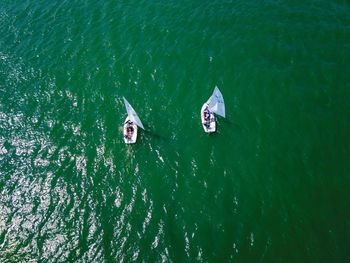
[
  {"x": 227, "y": 121},
  {"x": 153, "y": 134}
]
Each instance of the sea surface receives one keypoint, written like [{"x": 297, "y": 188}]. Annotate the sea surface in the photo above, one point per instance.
[{"x": 271, "y": 185}]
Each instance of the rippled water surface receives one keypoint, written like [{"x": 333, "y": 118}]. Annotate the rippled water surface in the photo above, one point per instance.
[{"x": 272, "y": 185}]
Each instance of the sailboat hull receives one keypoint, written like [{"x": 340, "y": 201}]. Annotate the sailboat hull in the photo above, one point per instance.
[
  {"x": 133, "y": 138},
  {"x": 210, "y": 126}
]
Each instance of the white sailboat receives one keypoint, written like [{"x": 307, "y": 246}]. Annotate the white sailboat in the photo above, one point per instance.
[
  {"x": 214, "y": 105},
  {"x": 131, "y": 123}
]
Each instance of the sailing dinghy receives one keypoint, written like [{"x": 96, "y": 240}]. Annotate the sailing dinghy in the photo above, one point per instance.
[
  {"x": 214, "y": 105},
  {"x": 131, "y": 123}
]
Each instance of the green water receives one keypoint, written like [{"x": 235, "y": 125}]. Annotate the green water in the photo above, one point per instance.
[{"x": 272, "y": 185}]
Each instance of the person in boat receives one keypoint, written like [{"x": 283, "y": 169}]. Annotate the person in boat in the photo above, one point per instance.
[
  {"x": 206, "y": 114},
  {"x": 129, "y": 130}
]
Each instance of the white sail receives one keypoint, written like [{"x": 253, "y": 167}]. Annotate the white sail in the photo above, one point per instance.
[
  {"x": 132, "y": 114},
  {"x": 216, "y": 103}
]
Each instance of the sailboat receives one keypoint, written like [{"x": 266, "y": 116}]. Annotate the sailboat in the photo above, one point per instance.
[
  {"x": 131, "y": 123},
  {"x": 214, "y": 105}
]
